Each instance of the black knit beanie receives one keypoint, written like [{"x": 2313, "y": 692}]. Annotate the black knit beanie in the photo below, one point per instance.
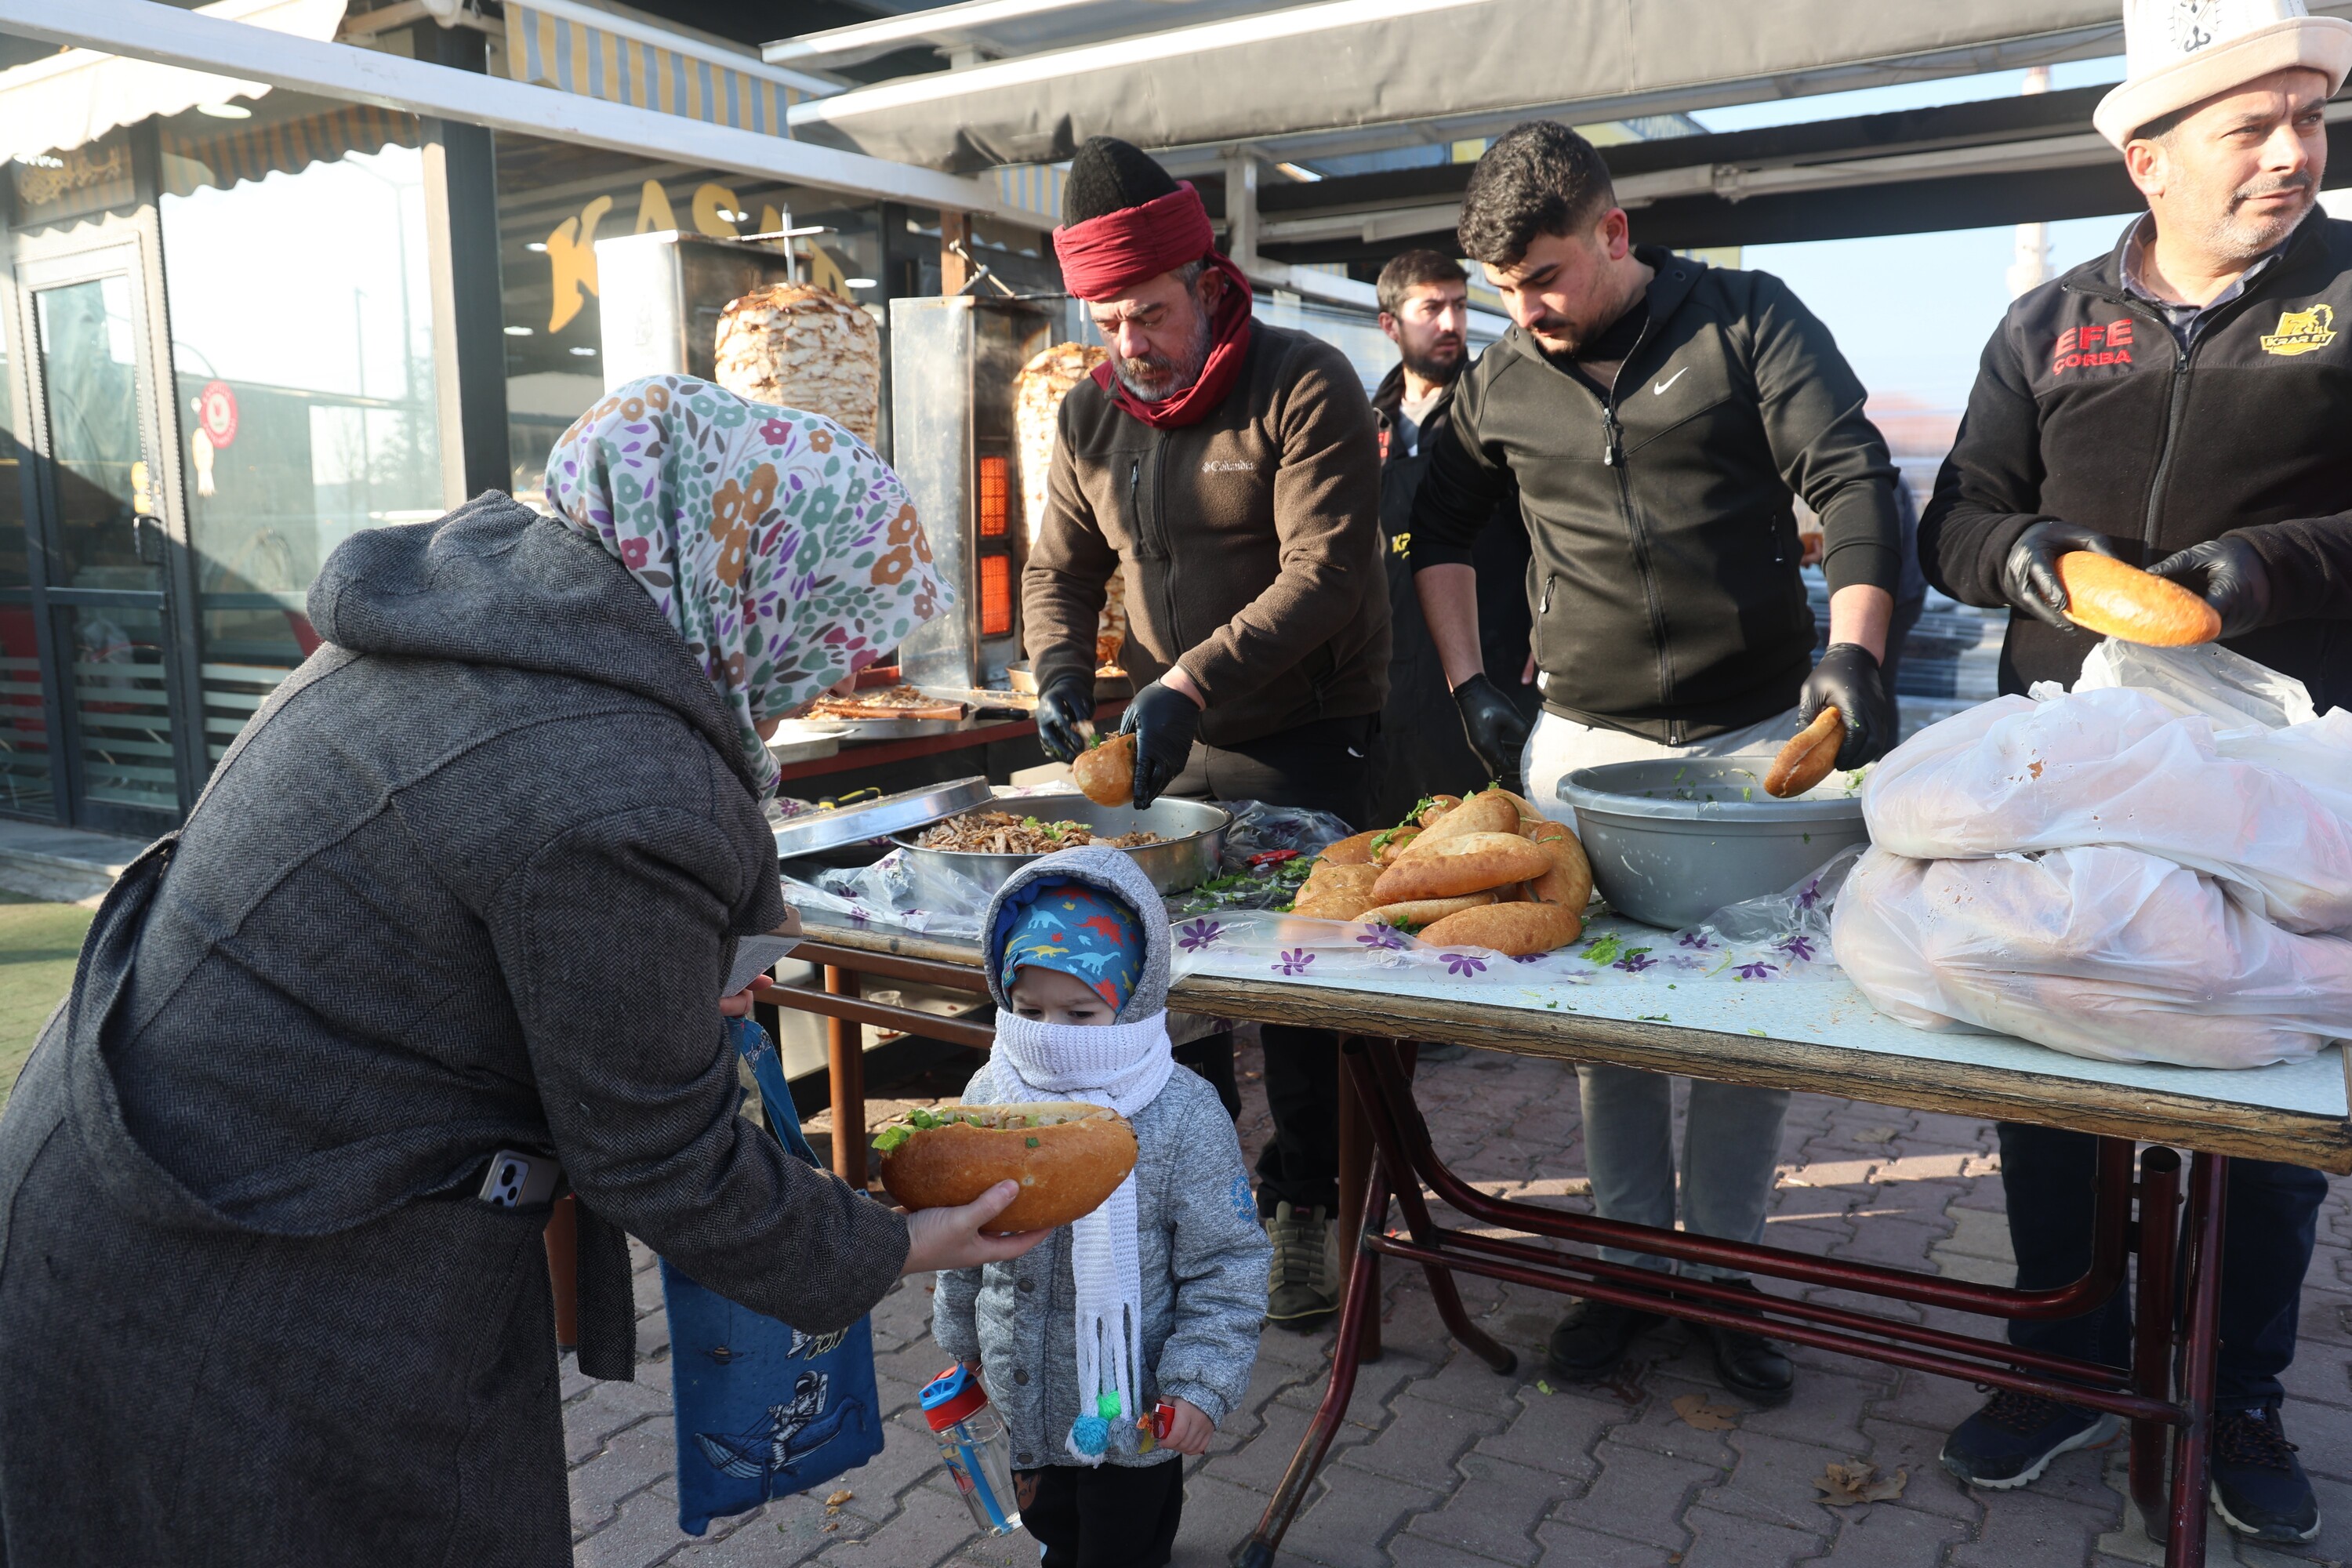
[{"x": 1107, "y": 175}]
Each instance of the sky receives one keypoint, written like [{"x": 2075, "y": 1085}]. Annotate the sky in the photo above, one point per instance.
[{"x": 1859, "y": 287}]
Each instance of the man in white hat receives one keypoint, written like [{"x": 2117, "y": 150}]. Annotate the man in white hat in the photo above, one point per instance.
[{"x": 2182, "y": 402}]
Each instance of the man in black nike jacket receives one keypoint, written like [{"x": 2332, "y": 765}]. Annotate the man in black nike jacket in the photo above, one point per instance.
[
  {"x": 2182, "y": 403},
  {"x": 1657, "y": 416}
]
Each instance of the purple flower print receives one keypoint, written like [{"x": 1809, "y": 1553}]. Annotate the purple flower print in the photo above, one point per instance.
[
  {"x": 1635, "y": 961},
  {"x": 1800, "y": 948},
  {"x": 1465, "y": 963},
  {"x": 1295, "y": 962},
  {"x": 1194, "y": 935},
  {"x": 1694, "y": 939},
  {"x": 1382, "y": 938},
  {"x": 1757, "y": 969},
  {"x": 1531, "y": 958},
  {"x": 1811, "y": 894}
]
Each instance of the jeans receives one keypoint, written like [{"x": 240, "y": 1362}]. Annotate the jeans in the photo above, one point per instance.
[
  {"x": 1730, "y": 1147},
  {"x": 2268, "y": 1218},
  {"x": 1732, "y": 1142},
  {"x": 1327, "y": 765}
]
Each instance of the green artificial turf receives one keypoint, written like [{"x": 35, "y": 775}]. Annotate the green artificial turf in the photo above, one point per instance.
[{"x": 39, "y": 945}]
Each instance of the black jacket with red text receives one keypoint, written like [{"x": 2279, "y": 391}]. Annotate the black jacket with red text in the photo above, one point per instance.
[{"x": 2084, "y": 408}]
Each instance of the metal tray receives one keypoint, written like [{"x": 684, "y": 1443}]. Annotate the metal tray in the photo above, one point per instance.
[
  {"x": 800, "y": 740},
  {"x": 879, "y": 818},
  {"x": 895, "y": 729},
  {"x": 1192, "y": 838}
]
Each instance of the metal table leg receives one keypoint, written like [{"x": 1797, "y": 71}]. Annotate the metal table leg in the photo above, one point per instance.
[
  {"x": 2153, "y": 1333},
  {"x": 1355, "y": 1169},
  {"x": 845, "y": 1060},
  {"x": 2209, "y": 1185}
]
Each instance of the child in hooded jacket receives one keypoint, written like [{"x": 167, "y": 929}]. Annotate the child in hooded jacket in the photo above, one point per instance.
[{"x": 1156, "y": 1296}]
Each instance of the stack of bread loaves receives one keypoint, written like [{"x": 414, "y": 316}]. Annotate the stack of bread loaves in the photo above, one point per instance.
[
  {"x": 799, "y": 346},
  {"x": 1037, "y": 393},
  {"x": 1489, "y": 871}
]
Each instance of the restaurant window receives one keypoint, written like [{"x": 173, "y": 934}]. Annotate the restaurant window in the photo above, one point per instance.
[
  {"x": 556, "y": 200},
  {"x": 25, "y": 789},
  {"x": 298, "y": 283}
]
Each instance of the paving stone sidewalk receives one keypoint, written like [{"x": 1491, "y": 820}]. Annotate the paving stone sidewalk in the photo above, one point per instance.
[{"x": 1442, "y": 1464}]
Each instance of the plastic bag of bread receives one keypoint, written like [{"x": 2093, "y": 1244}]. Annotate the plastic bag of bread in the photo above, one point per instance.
[
  {"x": 2099, "y": 952},
  {"x": 2267, "y": 813}
]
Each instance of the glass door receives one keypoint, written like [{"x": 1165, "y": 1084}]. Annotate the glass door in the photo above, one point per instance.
[{"x": 106, "y": 548}]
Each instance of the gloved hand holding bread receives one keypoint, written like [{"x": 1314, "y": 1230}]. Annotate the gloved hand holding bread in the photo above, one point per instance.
[{"x": 1489, "y": 871}]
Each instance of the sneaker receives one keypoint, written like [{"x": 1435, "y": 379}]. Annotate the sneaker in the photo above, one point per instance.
[
  {"x": 1593, "y": 1338},
  {"x": 2013, "y": 1439},
  {"x": 2259, "y": 1485},
  {"x": 1302, "y": 1288}
]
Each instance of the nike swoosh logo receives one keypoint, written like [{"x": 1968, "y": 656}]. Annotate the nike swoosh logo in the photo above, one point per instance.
[{"x": 1659, "y": 390}]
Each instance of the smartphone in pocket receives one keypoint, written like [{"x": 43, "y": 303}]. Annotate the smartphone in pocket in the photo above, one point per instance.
[{"x": 515, "y": 1181}]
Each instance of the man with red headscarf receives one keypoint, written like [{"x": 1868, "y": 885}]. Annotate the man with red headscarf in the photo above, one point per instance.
[{"x": 1231, "y": 471}]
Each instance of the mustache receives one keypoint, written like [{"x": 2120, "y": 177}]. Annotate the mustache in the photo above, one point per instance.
[{"x": 2255, "y": 189}]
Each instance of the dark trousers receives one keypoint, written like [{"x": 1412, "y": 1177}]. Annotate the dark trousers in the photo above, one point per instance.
[
  {"x": 1112, "y": 1516},
  {"x": 1327, "y": 765},
  {"x": 2271, "y": 1210}
]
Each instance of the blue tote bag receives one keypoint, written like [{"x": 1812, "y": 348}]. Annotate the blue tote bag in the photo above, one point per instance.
[{"x": 763, "y": 1410}]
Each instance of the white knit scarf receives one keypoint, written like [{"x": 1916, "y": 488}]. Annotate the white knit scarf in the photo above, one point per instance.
[{"x": 1124, "y": 1066}]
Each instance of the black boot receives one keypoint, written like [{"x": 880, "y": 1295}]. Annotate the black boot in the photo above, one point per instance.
[
  {"x": 1593, "y": 1338},
  {"x": 1747, "y": 1363}
]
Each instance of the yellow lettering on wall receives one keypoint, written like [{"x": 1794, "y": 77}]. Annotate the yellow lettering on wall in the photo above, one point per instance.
[
  {"x": 825, "y": 272},
  {"x": 711, "y": 199},
  {"x": 653, "y": 209},
  {"x": 770, "y": 220},
  {"x": 571, "y": 257}
]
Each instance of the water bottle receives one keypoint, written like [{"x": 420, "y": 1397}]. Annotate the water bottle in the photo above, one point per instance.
[{"x": 977, "y": 1448}]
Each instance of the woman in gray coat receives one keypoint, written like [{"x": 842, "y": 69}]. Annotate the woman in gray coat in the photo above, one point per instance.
[{"x": 470, "y": 881}]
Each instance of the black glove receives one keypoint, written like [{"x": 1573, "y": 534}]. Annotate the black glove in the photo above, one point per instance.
[
  {"x": 1493, "y": 726},
  {"x": 2029, "y": 575},
  {"x": 1062, "y": 707},
  {"x": 2227, "y": 574},
  {"x": 1164, "y": 721},
  {"x": 1848, "y": 680}
]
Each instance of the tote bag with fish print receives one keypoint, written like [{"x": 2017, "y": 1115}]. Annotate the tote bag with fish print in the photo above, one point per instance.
[{"x": 763, "y": 1410}]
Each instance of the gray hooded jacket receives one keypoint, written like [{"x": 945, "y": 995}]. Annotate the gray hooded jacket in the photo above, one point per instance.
[
  {"x": 1202, "y": 1251},
  {"x": 470, "y": 881}
]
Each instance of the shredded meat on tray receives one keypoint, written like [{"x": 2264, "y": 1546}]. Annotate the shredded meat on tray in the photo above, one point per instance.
[{"x": 1002, "y": 833}]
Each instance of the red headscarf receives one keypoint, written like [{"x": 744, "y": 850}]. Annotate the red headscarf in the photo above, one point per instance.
[{"x": 1103, "y": 256}]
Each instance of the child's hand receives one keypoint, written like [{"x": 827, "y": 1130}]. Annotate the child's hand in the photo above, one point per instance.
[{"x": 1191, "y": 1430}]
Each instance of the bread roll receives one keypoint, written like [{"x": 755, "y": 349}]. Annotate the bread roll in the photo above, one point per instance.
[
  {"x": 2114, "y": 600},
  {"x": 1421, "y": 911},
  {"x": 1336, "y": 892},
  {"x": 1466, "y": 863},
  {"x": 1399, "y": 839},
  {"x": 1355, "y": 851},
  {"x": 1516, "y": 931},
  {"x": 1489, "y": 812},
  {"x": 1437, "y": 808},
  {"x": 1569, "y": 883},
  {"x": 1066, "y": 1155},
  {"x": 1106, "y": 773},
  {"x": 1807, "y": 759},
  {"x": 799, "y": 346}
]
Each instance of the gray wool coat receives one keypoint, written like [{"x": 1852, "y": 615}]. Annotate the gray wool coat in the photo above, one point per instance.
[
  {"x": 1202, "y": 1252},
  {"x": 470, "y": 881}
]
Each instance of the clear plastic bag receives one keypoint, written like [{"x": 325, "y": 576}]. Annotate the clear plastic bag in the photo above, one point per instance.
[
  {"x": 2268, "y": 814},
  {"x": 2099, "y": 952}
]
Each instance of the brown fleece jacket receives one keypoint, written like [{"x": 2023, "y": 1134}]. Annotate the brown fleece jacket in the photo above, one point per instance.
[{"x": 1250, "y": 543}]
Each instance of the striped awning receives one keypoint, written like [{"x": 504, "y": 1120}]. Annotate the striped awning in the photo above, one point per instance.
[
  {"x": 1033, "y": 188},
  {"x": 285, "y": 146},
  {"x": 573, "y": 48}
]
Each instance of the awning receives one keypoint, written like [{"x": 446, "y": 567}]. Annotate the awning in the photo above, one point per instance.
[
  {"x": 576, "y": 47},
  {"x": 192, "y": 161},
  {"x": 1355, "y": 75},
  {"x": 79, "y": 95}
]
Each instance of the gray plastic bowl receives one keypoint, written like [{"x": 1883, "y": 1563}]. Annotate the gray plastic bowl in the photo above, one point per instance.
[{"x": 1672, "y": 841}]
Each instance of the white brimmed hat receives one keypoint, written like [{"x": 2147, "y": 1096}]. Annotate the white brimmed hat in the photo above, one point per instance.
[{"x": 2185, "y": 51}]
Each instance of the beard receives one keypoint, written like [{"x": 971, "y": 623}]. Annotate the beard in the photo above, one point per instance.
[
  {"x": 1439, "y": 362},
  {"x": 2242, "y": 236},
  {"x": 1157, "y": 377}
]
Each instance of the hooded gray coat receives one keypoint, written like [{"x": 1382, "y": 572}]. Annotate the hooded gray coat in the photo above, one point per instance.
[
  {"x": 1202, "y": 1252},
  {"x": 470, "y": 881}
]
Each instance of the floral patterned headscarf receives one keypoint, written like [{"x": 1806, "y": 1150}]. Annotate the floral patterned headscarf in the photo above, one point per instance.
[{"x": 781, "y": 548}]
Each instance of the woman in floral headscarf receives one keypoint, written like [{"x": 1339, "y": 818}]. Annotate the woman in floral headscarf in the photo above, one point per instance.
[
  {"x": 470, "y": 883},
  {"x": 776, "y": 544}
]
